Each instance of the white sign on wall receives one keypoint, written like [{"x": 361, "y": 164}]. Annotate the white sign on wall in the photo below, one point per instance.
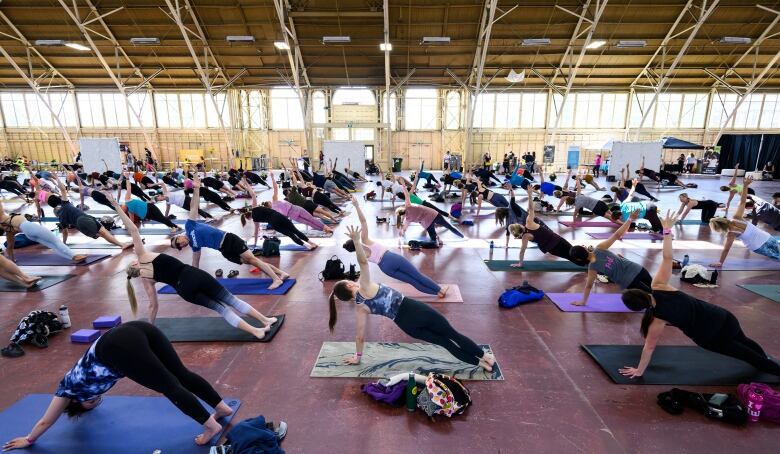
[
  {"x": 97, "y": 153},
  {"x": 346, "y": 151}
]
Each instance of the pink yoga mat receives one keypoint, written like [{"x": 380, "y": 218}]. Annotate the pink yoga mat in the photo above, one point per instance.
[
  {"x": 597, "y": 302},
  {"x": 628, "y": 236},
  {"x": 453, "y": 294},
  {"x": 589, "y": 224}
]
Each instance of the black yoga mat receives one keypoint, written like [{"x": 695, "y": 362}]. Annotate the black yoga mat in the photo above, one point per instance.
[
  {"x": 48, "y": 259},
  {"x": 212, "y": 329},
  {"x": 46, "y": 282},
  {"x": 676, "y": 365}
]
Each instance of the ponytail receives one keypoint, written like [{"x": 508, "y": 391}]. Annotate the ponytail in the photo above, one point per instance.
[
  {"x": 131, "y": 296},
  {"x": 333, "y": 315},
  {"x": 244, "y": 215},
  {"x": 647, "y": 319},
  {"x": 399, "y": 217},
  {"x": 636, "y": 300}
]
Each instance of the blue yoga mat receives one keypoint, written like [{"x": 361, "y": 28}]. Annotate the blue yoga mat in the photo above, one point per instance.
[
  {"x": 293, "y": 247},
  {"x": 119, "y": 425},
  {"x": 244, "y": 287},
  {"x": 48, "y": 259}
]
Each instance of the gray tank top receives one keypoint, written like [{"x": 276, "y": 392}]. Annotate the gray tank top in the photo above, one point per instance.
[{"x": 621, "y": 271}]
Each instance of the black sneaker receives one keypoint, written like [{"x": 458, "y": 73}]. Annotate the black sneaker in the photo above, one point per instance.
[{"x": 13, "y": 350}]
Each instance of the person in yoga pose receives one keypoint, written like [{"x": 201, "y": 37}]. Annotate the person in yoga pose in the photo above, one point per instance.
[
  {"x": 546, "y": 187},
  {"x": 10, "y": 184},
  {"x": 709, "y": 326},
  {"x": 125, "y": 182},
  {"x": 139, "y": 351},
  {"x": 582, "y": 202},
  {"x": 145, "y": 211},
  {"x": 518, "y": 178},
  {"x": 427, "y": 217},
  {"x": 355, "y": 175},
  {"x": 752, "y": 237},
  {"x": 733, "y": 189},
  {"x": 275, "y": 221},
  {"x": 192, "y": 284},
  {"x": 708, "y": 208},
  {"x": 294, "y": 196},
  {"x": 588, "y": 178},
  {"x": 342, "y": 180},
  {"x": 430, "y": 180},
  {"x": 621, "y": 190},
  {"x": 209, "y": 196},
  {"x": 549, "y": 242},
  {"x": 416, "y": 319},
  {"x": 181, "y": 199},
  {"x": 392, "y": 264},
  {"x": 233, "y": 248},
  {"x": 647, "y": 210},
  {"x": 659, "y": 176},
  {"x": 764, "y": 211},
  {"x": 219, "y": 186},
  {"x": 494, "y": 198},
  {"x": 295, "y": 213},
  {"x": 618, "y": 269},
  {"x": 14, "y": 223},
  {"x": 10, "y": 271},
  {"x": 515, "y": 214}
]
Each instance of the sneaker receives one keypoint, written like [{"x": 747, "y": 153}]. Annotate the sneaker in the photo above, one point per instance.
[
  {"x": 602, "y": 278},
  {"x": 13, "y": 350}
]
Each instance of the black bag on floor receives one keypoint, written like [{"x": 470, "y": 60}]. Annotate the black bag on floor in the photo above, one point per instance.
[
  {"x": 721, "y": 407},
  {"x": 270, "y": 246},
  {"x": 334, "y": 270},
  {"x": 353, "y": 275}
]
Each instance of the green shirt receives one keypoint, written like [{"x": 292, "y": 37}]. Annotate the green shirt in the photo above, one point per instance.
[
  {"x": 295, "y": 197},
  {"x": 414, "y": 199}
]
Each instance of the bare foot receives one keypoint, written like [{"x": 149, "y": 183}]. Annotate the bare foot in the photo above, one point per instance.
[
  {"x": 284, "y": 276},
  {"x": 443, "y": 291},
  {"x": 328, "y": 229},
  {"x": 260, "y": 332},
  {"x": 483, "y": 364},
  {"x": 127, "y": 245},
  {"x": 270, "y": 321},
  {"x": 489, "y": 358},
  {"x": 79, "y": 258},
  {"x": 33, "y": 281},
  {"x": 210, "y": 428},
  {"x": 275, "y": 284},
  {"x": 222, "y": 410}
]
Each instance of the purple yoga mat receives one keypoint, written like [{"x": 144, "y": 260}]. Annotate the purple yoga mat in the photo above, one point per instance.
[
  {"x": 597, "y": 302},
  {"x": 589, "y": 224},
  {"x": 46, "y": 259},
  {"x": 755, "y": 263},
  {"x": 628, "y": 236}
]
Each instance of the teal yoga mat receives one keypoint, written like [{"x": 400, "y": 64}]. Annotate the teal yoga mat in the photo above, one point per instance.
[
  {"x": 770, "y": 291},
  {"x": 691, "y": 222},
  {"x": 534, "y": 265}
]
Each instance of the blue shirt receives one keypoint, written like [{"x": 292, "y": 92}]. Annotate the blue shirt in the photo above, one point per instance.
[
  {"x": 547, "y": 188},
  {"x": 386, "y": 302},
  {"x": 203, "y": 235},
  {"x": 137, "y": 207},
  {"x": 629, "y": 207},
  {"x": 88, "y": 379}
]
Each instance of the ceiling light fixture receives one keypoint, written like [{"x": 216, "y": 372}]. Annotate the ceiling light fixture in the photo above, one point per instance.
[
  {"x": 535, "y": 42},
  {"x": 281, "y": 45},
  {"x": 595, "y": 44},
  {"x": 336, "y": 39},
  {"x": 735, "y": 40},
  {"x": 627, "y": 43},
  {"x": 77, "y": 46},
  {"x": 385, "y": 47},
  {"x": 240, "y": 39},
  {"x": 435, "y": 40},
  {"x": 49, "y": 42},
  {"x": 144, "y": 41}
]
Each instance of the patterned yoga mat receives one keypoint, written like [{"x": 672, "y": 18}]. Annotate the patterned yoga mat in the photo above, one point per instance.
[{"x": 385, "y": 359}]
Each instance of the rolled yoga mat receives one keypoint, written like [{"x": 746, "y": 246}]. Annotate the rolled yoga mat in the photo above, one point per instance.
[
  {"x": 755, "y": 263},
  {"x": 589, "y": 224},
  {"x": 770, "y": 291},
  {"x": 597, "y": 302},
  {"x": 453, "y": 293},
  {"x": 245, "y": 286},
  {"x": 628, "y": 236},
  {"x": 385, "y": 359},
  {"x": 46, "y": 282},
  {"x": 212, "y": 329},
  {"x": 48, "y": 259},
  {"x": 534, "y": 265},
  {"x": 676, "y": 365},
  {"x": 112, "y": 427}
]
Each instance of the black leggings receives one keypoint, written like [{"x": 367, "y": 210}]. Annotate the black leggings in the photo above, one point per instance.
[
  {"x": 434, "y": 207},
  {"x": 287, "y": 228},
  {"x": 642, "y": 190},
  {"x": 443, "y": 222},
  {"x": 731, "y": 341},
  {"x": 642, "y": 281},
  {"x": 101, "y": 198},
  {"x": 562, "y": 249},
  {"x": 423, "y": 322},
  {"x": 651, "y": 214},
  {"x": 321, "y": 198},
  {"x": 171, "y": 182},
  {"x": 214, "y": 197},
  {"x": 141, "y": 352},
  {"x": 12, "y": 186},
  {"x": 154, "y": 214},
  {"x": 342, "y": 179},
  {"x": 186, "y": 205},
  {"x": 138, "y": 192},
  {"x": 708, "y": 209}
]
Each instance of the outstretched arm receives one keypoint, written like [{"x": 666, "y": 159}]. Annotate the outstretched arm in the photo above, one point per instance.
[
  {"x": 664, "y": 273},
  {"x": 360, "y": 253},
  {"x": 132, "y": 229},
  {"x": 606, "y": 244},
  {"x": 275, "y": 196},
  {"x": 363, "y": 224},
  {"x": 733, "y": 180},
  {"x": 743, "y": 199},
  {"x": 195, "y": 202},
  {"x": 56, "y": 408},
  {"x": 730, "y": 237},
  {"x": 407, "y": 200},
  {"x": 653, "y": 336}
]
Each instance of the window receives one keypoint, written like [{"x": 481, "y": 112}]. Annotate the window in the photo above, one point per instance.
[
  {"x": 453, "y": 111},
  {"x": 587, "y": 109},
  {"x": 252, "y": 104},
  {"x": 393, "y": 119},
  {"x": 360, "y": 96},
  {"x": 115, "y": 110},
  {"x": 770, "y": 117},
  {"x": 25, "y": 109},
  {"x": 285, "y": 109},
  {"x": 484, "y": 111},
  {"x": 613, "y": 110},
  {"x": 339, "y": 134},
  {"x": 91, "y": 110},
  {"x": 533, "y": 110},
  {"x": 167, "y": 107},
  {"x": 212, "y": 117},
  {"x": 14, "y": 109},
  {"x": 420, "y": 105},
  {"x": 667, "y": 111},
  {"x": 640, "y": 103},
  {"x": 507, "y": 110},
  {"x": 318, "y": 108},
  {"x": 722, "y": 106},
  {"x": 567, "y": 115},
  {"x": 748, "y": 112},
  {"x": 694, "y": 110}
]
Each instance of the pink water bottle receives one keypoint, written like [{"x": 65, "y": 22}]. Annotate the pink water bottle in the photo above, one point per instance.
[{"x": 755, "y": 403}]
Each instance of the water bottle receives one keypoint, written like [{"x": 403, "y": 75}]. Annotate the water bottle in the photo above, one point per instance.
[
  {"x": 755, "y": 403},
  {"x": 685, "y": 261},
  {"x": 64, "y": 316},
  {"x": 411, "y": 393},
  {"x": 491, "y": 244}
]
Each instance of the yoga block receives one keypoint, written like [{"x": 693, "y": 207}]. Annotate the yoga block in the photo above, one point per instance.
[
  {"x": 85, "y": 336},
  {"x": 107, "y": 321}
]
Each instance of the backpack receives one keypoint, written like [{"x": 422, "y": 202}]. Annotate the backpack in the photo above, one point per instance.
[
  {"x": 270, "y": 246},
  {"x": 456, "y": 209},
  {"x": 36, "y": 327},
  {"x": 439, "y": 197},
  {"x": 521, "y": 294},
  {"x": 334, "y": 270},
  {"x": 771, "y": 409},
  {"x": 443, "y": 395},
  {"x": 721, "y": 407}
]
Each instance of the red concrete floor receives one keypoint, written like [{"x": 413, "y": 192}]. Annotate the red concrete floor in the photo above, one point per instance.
[{"x": 555, "y": 399}]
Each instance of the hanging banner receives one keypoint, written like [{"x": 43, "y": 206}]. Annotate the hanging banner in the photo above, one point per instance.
[{"x": 549, "y": 154}]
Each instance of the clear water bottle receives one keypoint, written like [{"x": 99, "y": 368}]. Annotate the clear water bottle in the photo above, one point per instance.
[
  {"x": 685, "y": 261},
  {"x": 755, "y": 402},
  {"x": 491, "y": 244},
  {"x": 64, "y": 316}
]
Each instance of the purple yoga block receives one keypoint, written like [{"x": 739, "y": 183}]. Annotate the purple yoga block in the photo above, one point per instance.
[
  {"x": 85, "y": 336},
  {"x": 107, "y": 321}
]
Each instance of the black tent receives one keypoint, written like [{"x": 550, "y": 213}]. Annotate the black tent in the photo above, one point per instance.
[{"x": 679, "y": 144}]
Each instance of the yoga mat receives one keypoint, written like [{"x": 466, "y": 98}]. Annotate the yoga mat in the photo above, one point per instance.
[
  {"x": 119, "y": 425},
  {"x": 691, "y": 222},
  {"x": 453, "y": 293},
  {"x": 676, "y": 365},
  {"x": 293, "y": 247},
  {"x": 755, "y": 263},
  {"x": 561, "y": 213},
  {"x": 47, "y": 259},
  {"x": 95, "y": 245},
  {"x": 46, "y": 282},
  {"x": 144, "y": 231},
  {"x": 533, "y": 265},
  {"x": 243, "y": 286},
  {"x": 766, "y": 290},
  {"x": 597, "y": 302},
  {"x": 589, "y": 224},
  {"x": 628, "y": 236},
  {"x": 212, "y": 329},
  {"x": 385, "y": 359}
]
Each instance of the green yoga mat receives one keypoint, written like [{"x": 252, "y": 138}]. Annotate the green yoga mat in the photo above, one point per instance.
[
  {"x": 691, "y": 222},
  {"x": 385, "y": 359},
  {"x": 534, "y": 265},
  {"x": 770, "y": 291}
]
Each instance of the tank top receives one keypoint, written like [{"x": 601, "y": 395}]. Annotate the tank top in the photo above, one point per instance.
[
  {"x": 377, "y": 252},
  {"x": 386, "y": 302},
  {"x": 166, "y": 269},
  {"x": 697, "y": 319},
  {"x": 545, "y": 238},
  {"x": 753, "y": 237},
  {"x": 622, "y": 271}
]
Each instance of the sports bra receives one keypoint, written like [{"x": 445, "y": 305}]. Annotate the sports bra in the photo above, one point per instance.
[
  {"x": 386, "y": 302},
  {"x": 166, "y": 269},
  {"x": 486, "y": 194},
  {"x": 377, "y": 252}
]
